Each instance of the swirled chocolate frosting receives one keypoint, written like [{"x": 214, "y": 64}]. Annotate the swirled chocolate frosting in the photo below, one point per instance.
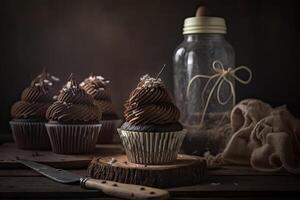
[
  {"x": 98, "y": 88},
  {"x": 35, "y": 99},
  {"x": 150, "y": 104},
  {"x": 73, "y": 105}
]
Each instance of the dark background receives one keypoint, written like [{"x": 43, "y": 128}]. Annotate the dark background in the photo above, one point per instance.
[{"x": 123, "y": 40}]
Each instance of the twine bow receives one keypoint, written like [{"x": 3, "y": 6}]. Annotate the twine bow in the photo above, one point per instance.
[{"x": 223, "y": 75}]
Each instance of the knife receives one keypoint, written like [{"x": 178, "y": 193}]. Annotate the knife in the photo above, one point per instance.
[{"x": 121, "y": 190}]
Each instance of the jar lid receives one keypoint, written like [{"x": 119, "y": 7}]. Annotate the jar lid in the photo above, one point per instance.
[{"x": 201, "y": 24}]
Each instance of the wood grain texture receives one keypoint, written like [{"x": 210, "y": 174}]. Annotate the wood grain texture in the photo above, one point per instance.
[
  {"x": 224, "y": 171},
  {"x": 9, "y": 153},
  {"x": 186, "y": 170},
  {"x": 31, "y": 173},
  {"x": 282, "y": 187}
]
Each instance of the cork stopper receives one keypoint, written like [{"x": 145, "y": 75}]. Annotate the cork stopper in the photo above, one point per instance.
[{"x": 201, "y": 11}]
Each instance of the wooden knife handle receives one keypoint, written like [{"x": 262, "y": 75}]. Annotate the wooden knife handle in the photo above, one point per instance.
[{"x": 121, "y": 190}]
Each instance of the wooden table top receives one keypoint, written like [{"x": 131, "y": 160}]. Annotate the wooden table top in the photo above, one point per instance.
[
  {"x": 238, "y": 182},
  {"x": 224, "y": 183}
]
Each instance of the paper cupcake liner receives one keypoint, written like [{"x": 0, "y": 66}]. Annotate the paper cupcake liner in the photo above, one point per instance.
[
  {"x": 72, "y": 138},
  {"x": 151, "y": 147},
  {"x": 30, "y": 135},
  {"x": 108, "y": 131}
]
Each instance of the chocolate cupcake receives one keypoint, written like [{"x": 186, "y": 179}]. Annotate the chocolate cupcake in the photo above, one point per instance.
[
  {"x": 73, "y": 126},
  {"x": 151, "y": 133},
  {"x": 28, "y": 114},
  {"x": 99, "y": 89}
]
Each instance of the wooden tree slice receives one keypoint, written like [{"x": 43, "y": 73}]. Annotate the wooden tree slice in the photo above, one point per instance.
[{"x": 186, "y": 170}]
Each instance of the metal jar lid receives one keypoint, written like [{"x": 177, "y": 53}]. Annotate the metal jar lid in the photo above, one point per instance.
[{"x": 204, "y": 25}]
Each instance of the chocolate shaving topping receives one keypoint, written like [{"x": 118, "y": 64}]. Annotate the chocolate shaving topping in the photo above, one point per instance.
[
  {"x": 98, "y": 88},
  {"x": 150, "y": 103},
  {"x": 35, "y": 99},
  {"x": 73, "y": 105}
]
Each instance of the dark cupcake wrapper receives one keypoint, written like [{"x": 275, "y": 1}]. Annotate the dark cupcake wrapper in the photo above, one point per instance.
[
  {"x": 30, "y": 135},
  {"x": 108, "y": 131},
  {"x": 151, "y": 147},
  {"x": 73, "y": 138}
]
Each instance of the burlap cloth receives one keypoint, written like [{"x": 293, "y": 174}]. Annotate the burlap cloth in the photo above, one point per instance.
[{"x": 264, "y": 137}]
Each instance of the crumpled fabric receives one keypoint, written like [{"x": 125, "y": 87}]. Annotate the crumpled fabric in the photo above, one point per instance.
[{"x": 266, "y": 138}]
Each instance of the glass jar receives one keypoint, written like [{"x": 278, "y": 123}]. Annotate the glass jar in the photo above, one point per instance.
[{"x": 203, "y": 114}]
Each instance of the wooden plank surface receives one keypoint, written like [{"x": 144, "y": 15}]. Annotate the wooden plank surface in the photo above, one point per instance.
[
  {"x": 239, "y": 182},
  {"x": 9, "y": 153},
  {"x": 31, "y": 173},
  {"x": 220, "y": 184},
  {"x": 230, "y": 170},
  {"x": 224, "y": 171},
  {"x": 214, "y": 186}
]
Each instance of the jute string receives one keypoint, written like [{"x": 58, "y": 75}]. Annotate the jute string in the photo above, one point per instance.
[{"x": 222, "y": 76}]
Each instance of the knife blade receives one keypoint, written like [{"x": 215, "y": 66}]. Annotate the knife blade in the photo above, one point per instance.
[
  {"x": 58, "y": 175},
  {"x": 112, "y": 188}
]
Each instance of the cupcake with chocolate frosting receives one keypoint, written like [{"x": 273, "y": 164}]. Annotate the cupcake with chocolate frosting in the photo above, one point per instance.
[
  {"x": 28, "y": 114},
  {"x": 151, "y": 133},
  {"x": 74, "y": 121},
  {"x": 99, "y": 89}
]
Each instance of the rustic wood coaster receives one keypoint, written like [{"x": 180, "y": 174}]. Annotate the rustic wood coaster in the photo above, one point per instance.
[{"x": 186, "y": 170}]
